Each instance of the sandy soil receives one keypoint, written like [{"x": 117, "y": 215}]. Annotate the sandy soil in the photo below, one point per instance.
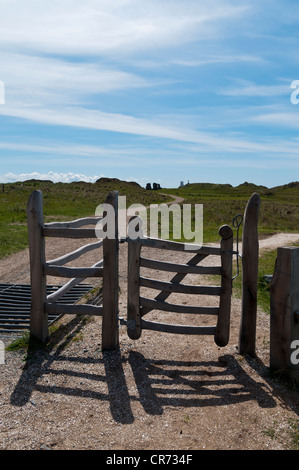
[{"x": 167, "y": 392}]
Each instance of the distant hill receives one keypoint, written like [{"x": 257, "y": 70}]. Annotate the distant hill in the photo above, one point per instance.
[
  {"x": 251, "y": 187},
  {"x": 293, "y": 185},
  {"x": 34, "y": 182},
  {"x": 116, "y": 182},
  {"x": 244, "y": 189}
]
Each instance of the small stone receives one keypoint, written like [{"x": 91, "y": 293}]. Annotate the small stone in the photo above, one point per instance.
[{"x": 45, "y": 447}]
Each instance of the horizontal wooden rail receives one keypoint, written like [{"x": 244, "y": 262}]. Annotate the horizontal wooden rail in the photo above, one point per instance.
[
  {"x": 67, "y": 287},
  {"x": 61, "y": 271},
  {"x": 165, "y": 306},
  {"x": 177, "y": 329},
  {"x": 74, "y": 223},
  {"x": 63, "y": 290},
  {"x": 179, "y": 268},
  {"x": 177, "y": 278},
  {"x": 63, "y": 309},
  {"x": 69, "y": 232},
  {"x": 75, "y": 254},
  {"x": 178, "y": 246},
  {"x": 177, "y": 287}
]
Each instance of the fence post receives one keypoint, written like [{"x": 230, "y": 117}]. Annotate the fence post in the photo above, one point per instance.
[
  {"x": 250, "y": 255},
  {"x": 38, "y": 317},
  {"x": 223, "y": 323},
  {"x": 133, "y": 316},
  {"x": 284, "y": 313},
  {"x": 110, "y": 332}
]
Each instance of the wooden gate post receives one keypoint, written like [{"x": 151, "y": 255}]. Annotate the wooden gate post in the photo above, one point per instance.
[
  {"x": 38, "y": 317},
  {"x": 250, "y": 255},
  {"x": 284, "y": 313},
  {"x": 110, "y": 332},
  {"x": 223, "y": 323},
  {"x": 133, "y": 316}
]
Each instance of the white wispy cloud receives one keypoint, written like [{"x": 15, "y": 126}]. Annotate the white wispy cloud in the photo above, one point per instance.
[
  {"x": 245, "y": 88},
  {"x": 119, "y": 156},
  {"x": 42, "y": 88},
  {"x": 92, "y": 66},
  {"x": 217, "y": 59},
  {"x": 46, "y": 80},
  {"x": 159, "y": 128},
  {"x": 105, "y": 27},
  {"x": 67, "y": 177},
  {"x": 51, "y": 175},
  {"x": 288, "y": 120}
]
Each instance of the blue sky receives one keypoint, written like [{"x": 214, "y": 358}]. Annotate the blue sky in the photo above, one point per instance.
[{"x": 149, "y": 91}]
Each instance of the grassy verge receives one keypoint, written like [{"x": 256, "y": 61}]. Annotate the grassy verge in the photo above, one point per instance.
[
  {"x": 266, "y": 267},
  {"x": 60, "y": 335}
]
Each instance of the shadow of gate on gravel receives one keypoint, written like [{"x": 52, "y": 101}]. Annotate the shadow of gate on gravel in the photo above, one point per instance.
[
  {"x": 164, "y": 383},
  {"x": 158, "y": 383}
]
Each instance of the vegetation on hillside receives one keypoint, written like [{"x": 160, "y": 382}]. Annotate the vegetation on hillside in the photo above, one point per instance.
[
  {"x": 62, "y": 201},
  {"x": 221, "y": 203},
  {"x": 279, "y": 212}
]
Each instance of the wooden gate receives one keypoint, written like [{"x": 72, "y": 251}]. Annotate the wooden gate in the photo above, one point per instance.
[
  {"x": 107, "y": 268},
  {"x": 139, "y": 306}
]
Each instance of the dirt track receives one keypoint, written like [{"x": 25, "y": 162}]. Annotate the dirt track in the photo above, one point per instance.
[{"x": 160, "y": 392}]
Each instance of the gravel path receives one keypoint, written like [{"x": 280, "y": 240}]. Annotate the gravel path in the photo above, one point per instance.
[{"x": 161, "y": 392}]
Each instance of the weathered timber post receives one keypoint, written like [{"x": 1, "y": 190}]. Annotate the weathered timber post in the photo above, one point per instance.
[
  {"x": 134, "y": 328},
  {"x": 38, "y": 317},
  {"x": 223, "y": 323},
  {"x": 133, "y": 316},
  {"x": 250, "y": 255},
  {"x": 284, "y": 313},
  {"x": 110, "y": 332}
]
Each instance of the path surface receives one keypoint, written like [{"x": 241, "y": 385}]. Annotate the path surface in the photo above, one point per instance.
[
  {"x": 160, "y": 392},
  {"x": 176, "y": 199},
  {"x": 279, "y": 239}
]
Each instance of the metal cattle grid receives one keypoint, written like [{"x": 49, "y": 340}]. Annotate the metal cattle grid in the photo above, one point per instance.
[{"x": 15, "y": 301}]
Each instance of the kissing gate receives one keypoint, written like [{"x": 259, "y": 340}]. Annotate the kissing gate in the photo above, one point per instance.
[{"x": 137, "y": 305}]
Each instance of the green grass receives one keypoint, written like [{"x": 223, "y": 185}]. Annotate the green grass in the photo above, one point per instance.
[
  {"x": 294, "y": 434},
  {"x": 62, "y": 201},
  {"x": 279, "y": 210},
  {"x": 266, "y": 267},
  {"x": 221, "y": 203},
  {"x": 65, "y": 201},
  {"x": 20, "y": 343}
]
